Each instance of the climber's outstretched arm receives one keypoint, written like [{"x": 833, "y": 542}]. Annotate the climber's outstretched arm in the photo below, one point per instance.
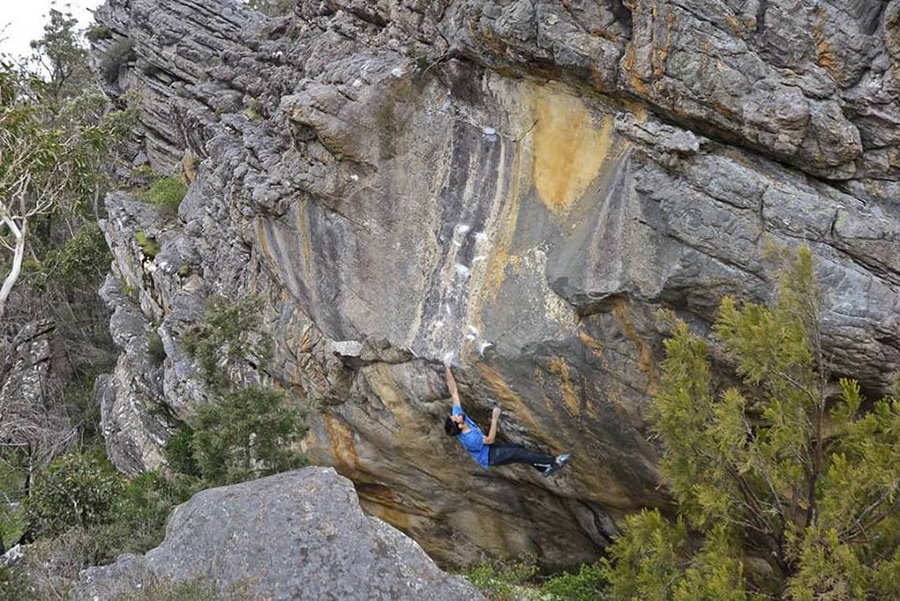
[
  {"x": 451, "y": 384},
  {"x": 492, "y": 433}
]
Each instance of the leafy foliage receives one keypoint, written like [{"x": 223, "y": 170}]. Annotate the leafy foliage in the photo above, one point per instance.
[
  {"x": 180, "y": 452},
  {"x": 140, "y": 511},
  {"x": 167, "y": 192},
  {"x": 518, "y": 580},
  {"x": 74, "y": 490},
  {"x": 587, "y": 584},
  {"x": 247, "y": 434},
  {"x": 121, "y": 52},
  {"x": 786, "y": 487},
  {"x": 501, "y": 580},
  {"x": 227, "y": 339},
  {"x": 247, "y": 431},
  {"x": 148, "y": 244}
]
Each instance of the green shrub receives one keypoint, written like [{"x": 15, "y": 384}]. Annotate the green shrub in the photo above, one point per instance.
[
  {"x": 15, "y": 585},
  {"x": 12, "y": 483},
  {"x": 73, "y": 491},
  {"x": 589, "y": 583},
  {"x": 148, "y": 244},
  {"x": 96, "y": 33},
  {"x": 167, "y": 192},
  {"x": 247, "y": 434},
  {"x": 228, "y": 336},
  {"x": 140, "y": 512},
  {"x": 503, "y": 580},
  {"x": 53, "y": 564},
  {"x": 121, "y": 52},
  {"x": 180, "y": 452},
  {"x": 12, "y": 524},
  {"x": 789, "y": 469},
  {"x": 85, "y": 258}
]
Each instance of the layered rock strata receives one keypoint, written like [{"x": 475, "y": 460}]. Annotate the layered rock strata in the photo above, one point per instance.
[{"x": 522, "y": 184}]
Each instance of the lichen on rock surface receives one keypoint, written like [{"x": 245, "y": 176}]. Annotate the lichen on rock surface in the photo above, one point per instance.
[{"x": 522, "y": 184}]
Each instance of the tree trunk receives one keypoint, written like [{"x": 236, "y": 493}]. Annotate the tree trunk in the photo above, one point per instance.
[{"x": 16, "y": 269}]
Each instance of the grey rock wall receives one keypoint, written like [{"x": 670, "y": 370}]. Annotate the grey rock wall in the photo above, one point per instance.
[{"x": 522, "y": 184}]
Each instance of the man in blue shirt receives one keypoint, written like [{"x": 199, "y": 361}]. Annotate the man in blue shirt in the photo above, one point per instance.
[{"x": 483, "y": 449}]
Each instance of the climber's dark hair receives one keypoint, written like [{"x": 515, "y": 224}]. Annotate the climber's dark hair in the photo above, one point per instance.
[{"x": 451, "y": 427}]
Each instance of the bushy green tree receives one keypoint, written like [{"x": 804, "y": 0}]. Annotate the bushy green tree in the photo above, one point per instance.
[
  {"x": 246, "y": 431},
  {"x": 228, "y": 339},
  {"x": 76, "y": 490},
  {"x": 788, "y": 486},
  {"x": 246, "y": 434}
]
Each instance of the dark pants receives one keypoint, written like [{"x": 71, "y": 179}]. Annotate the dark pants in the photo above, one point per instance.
[{"x": 503, "y": 453}]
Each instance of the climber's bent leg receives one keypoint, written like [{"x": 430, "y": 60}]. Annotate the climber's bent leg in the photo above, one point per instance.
[{"x": 503, "y": 453}]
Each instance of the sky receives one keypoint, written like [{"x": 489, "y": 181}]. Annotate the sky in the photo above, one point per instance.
[{"x": 23, "y": 20}]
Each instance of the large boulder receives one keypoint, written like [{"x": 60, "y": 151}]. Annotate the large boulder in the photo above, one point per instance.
[{"x": 295, "y": 536}]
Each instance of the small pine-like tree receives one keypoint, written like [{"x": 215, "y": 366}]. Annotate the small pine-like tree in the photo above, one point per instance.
[
  {"x": 788, "y": 486},
  {"x": 247, "y": 434}
]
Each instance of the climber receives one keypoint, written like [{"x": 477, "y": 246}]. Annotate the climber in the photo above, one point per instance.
[{"x": 483, "y": 449}]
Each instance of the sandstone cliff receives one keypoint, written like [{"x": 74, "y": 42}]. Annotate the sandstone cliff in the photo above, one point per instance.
[{"x": 520, "y": 182}]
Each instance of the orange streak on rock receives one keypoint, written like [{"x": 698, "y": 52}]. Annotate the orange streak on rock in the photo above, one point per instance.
[
  {"x": 648, "y": 365},
  {"x": 560, "y": 368},
  {"x": 340, "y": 438},
  {"x": 507, "y": 397}
]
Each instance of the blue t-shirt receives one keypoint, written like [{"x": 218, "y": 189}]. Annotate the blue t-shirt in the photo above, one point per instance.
[{"x": 473, "y": 440}]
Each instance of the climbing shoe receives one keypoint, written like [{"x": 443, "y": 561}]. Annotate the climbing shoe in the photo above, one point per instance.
[{"x": 561, "y": 461}]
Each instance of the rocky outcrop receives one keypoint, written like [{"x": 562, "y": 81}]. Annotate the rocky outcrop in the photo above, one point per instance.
[
  {"x": 298, "y": 535},
  {"x": 522, "y": 184}
]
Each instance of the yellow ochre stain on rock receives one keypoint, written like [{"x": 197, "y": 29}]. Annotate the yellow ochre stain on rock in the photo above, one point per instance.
[
  {"x": 559, "y": 367},
  {"x": 509, "y": 400},
  {"x": 591, "y": 343},
  {"x": 648, "y": 366},
  {"x": 383, "y": 384},
  {"x": 340, "y": 437},
  {"x": 394, "y": 516},
  {"x": 568, "y": 149}
]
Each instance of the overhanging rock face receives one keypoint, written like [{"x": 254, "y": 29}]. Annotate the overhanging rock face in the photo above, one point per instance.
[{"x": 522, "y": 184}]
